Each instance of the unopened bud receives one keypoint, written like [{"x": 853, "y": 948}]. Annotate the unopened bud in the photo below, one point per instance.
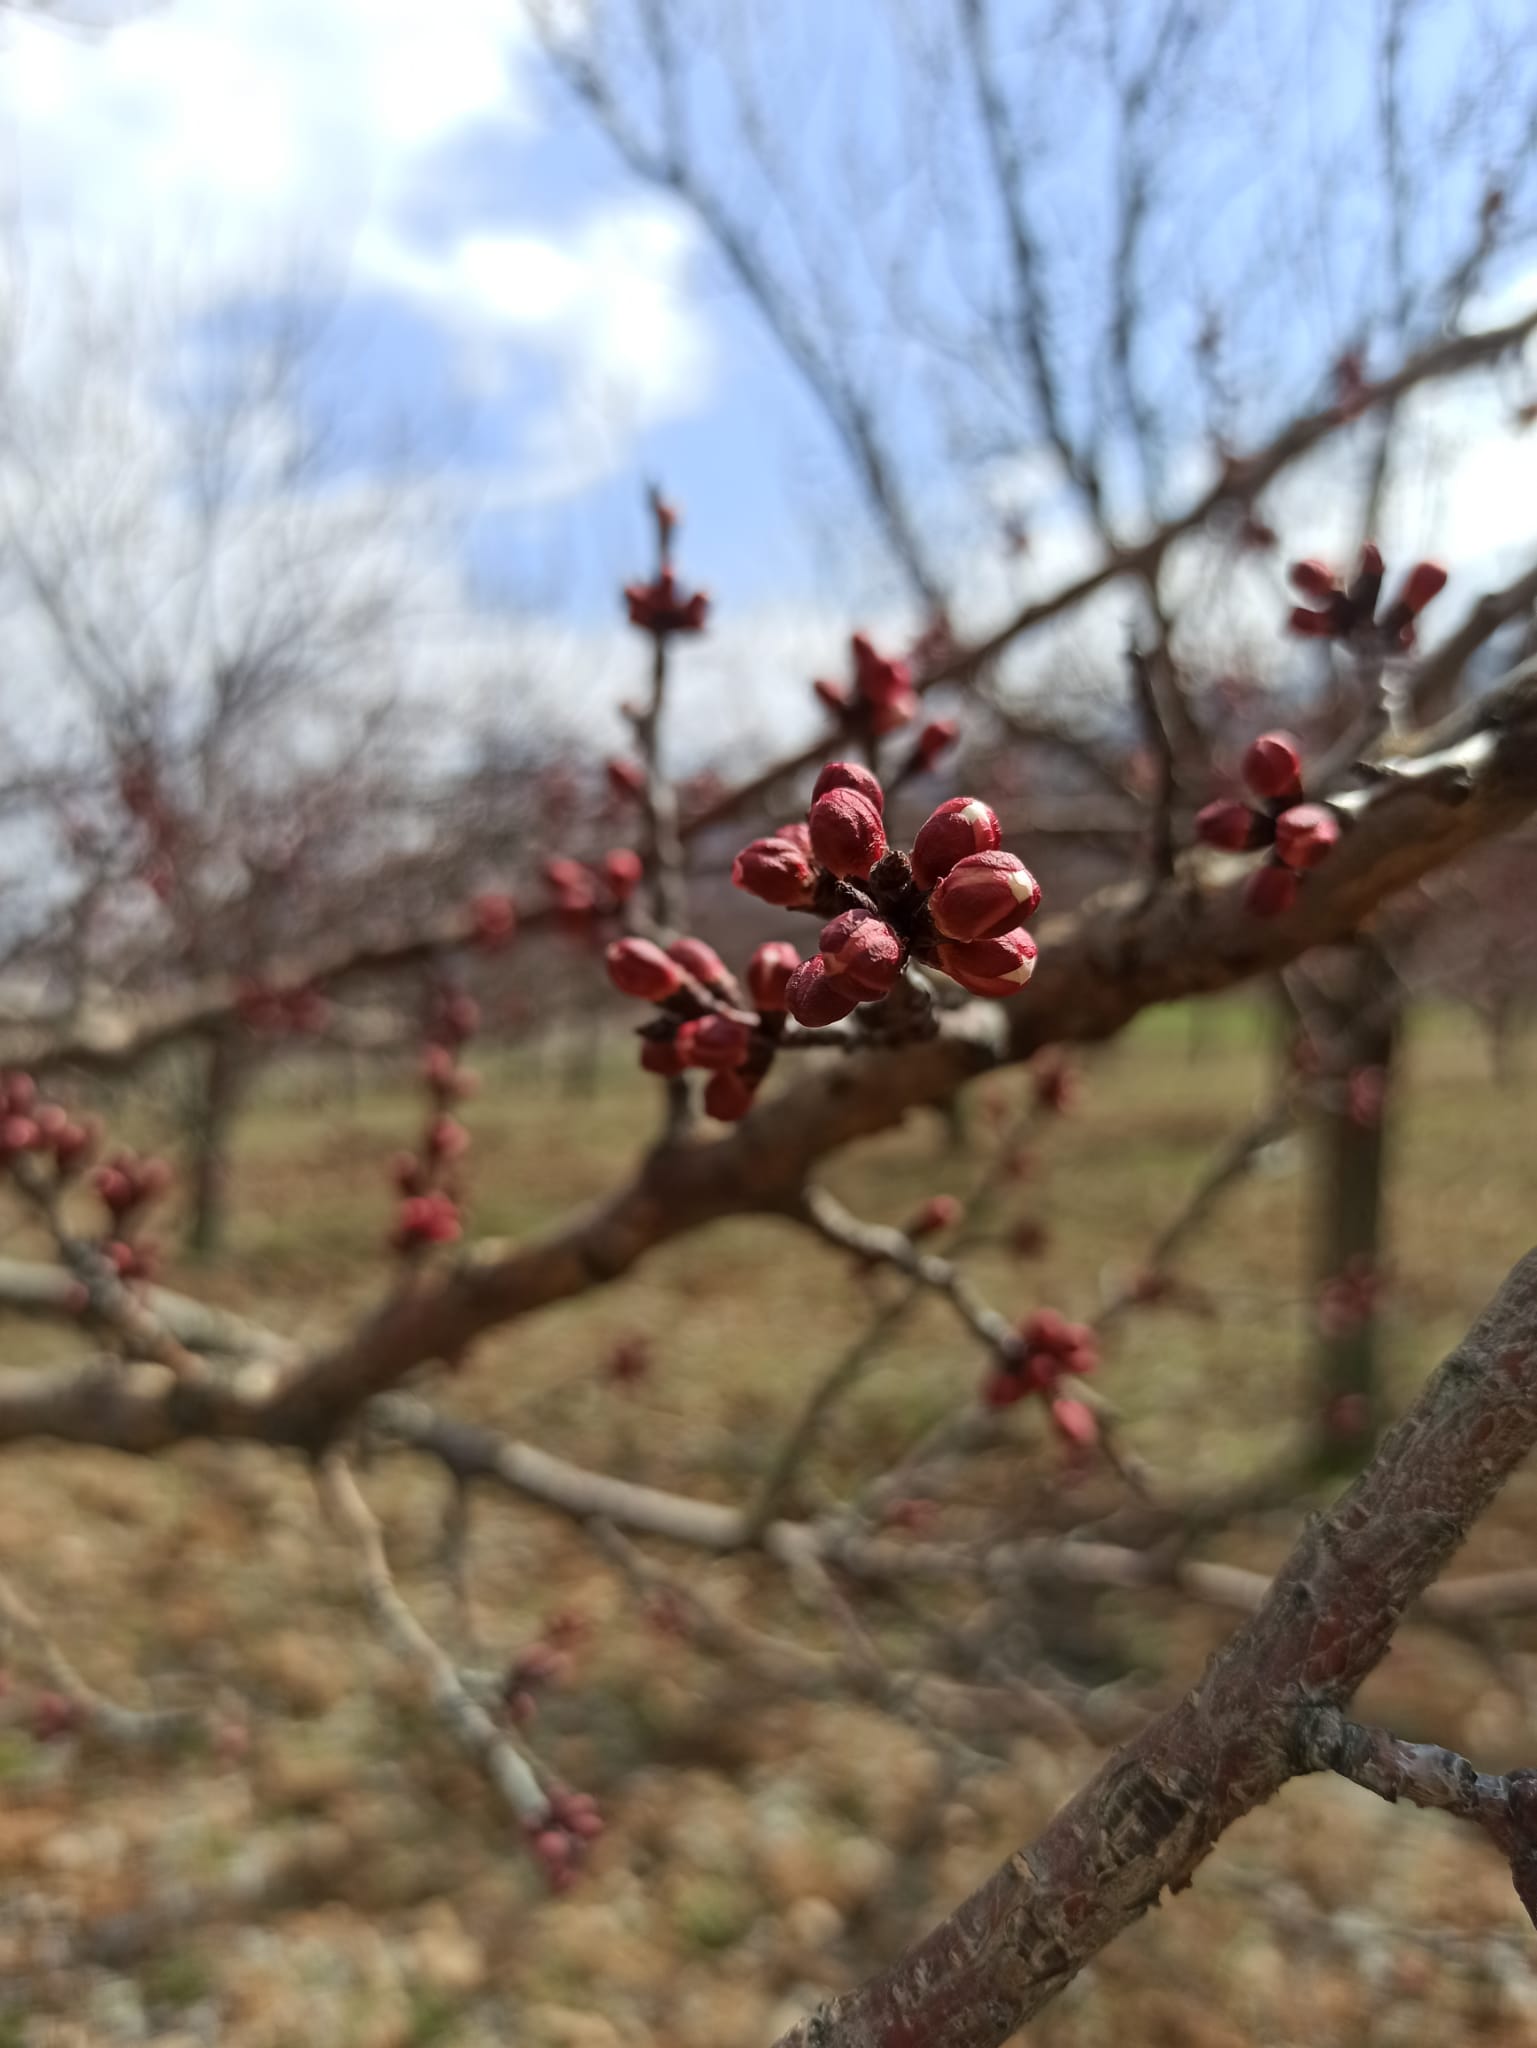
[
  {"x": 961, "y": 825},
  {"x": 984, "y": 894}
]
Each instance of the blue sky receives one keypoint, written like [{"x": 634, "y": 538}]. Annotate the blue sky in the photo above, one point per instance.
[{"x": 558, "y": 332}]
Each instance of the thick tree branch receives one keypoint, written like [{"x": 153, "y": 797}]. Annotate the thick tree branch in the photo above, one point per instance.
[{"x": 1152, "y": 1814}]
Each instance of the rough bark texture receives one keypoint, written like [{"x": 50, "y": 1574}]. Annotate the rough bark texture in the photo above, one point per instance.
[{"x": 1150, "y": 1816}]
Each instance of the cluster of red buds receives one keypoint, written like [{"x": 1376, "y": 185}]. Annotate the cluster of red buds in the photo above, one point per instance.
[
  {"x": 707, "y": 1021},
  {"x": 956, "y": 901},
  {"x": 33, "y": 1129},
  {"x": 561, "y": 1840},
  {"x": 585, "y": 892},
  {"x": 281, "y": 1012},
  {"x": 126, "y": 1186},
  {"x": 1049, "y": 1349},
  {"x": 427, "y": 1180},
  {"x": 546, "y": 1662},
  {"x": 662, "y": 607},
  {"x": 1349, "y": 612},
  {"x": 1299, "y": 834}
]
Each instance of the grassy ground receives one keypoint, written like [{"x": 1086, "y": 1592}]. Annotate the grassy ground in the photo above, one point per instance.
[{"x": 762, "y": 1850}]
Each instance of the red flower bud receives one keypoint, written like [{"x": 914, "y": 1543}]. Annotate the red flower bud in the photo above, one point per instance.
[
  {"x": 1314, "y": 578},
  {"x": 721, "y": 1042},
  {"x": 706, "y": 966},
  {"x": 1076, "y": 1421},
  {"x": 938, "y": 734},
  {"x": 814, "y": 998},
  {"x": 990, "y": 967},
  {"x": 1227, "y": 823},
  {"x": 495, "y": 919},
  {"x": 1046, "y": 1329},
  {"x": 1272, "y": 766},
  {"x": 885, "y": 686},
  {"x": 889, "y": 713},
  {"x": 834, "y": 696},
  {"x": 622, "y": 870},
  {"x": 939, "y": 1212},
  {"x": 798, "y": 834},
  {"x": 728, "y": 1097},
  {"x": 768, "y": 974},
  {"x": 567, "y": 877},
  {"x": 863, "y": 952},
  {"x": 961, "y": 825},
  {"x": 775, "y": 871},
  {"x": 846, "y": 832},
  {"x": 18, "y": 1134},
  {"x": 1426, "y": 580},
  {"x": 1271, "y": 892},
  {"x": 1305, "y": 834},
  {"x": 849, "y": 775},
  {"x": 984, "y": 894},
  {"x": 638, "y": 968},
  {"x": 1002, "y": 1389},
  {"x": 447, "y": 1139},
  {"x": 667, "y": 1055},
  {"x": 626, "y": 778},
  {"x": 1311, "y": 625}
]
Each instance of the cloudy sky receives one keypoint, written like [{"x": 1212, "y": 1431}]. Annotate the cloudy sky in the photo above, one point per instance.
[{"x": 495, "y": 264}]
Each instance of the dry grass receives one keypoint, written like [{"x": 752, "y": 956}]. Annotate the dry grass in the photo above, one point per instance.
[{"x": 761, "y": 1849}]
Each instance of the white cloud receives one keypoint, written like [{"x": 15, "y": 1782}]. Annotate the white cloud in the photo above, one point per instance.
[
  {"x": 261, "y": 115},
  {"x": 219, "y": 138}
]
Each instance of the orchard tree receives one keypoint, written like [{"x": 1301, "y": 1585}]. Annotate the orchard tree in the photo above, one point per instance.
[
  {"x": 1035, "y": 269},
  {"x": 930, "y": 969}
]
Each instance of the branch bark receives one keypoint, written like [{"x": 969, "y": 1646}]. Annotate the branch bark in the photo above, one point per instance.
[{"x": 1156, "y": 1809}]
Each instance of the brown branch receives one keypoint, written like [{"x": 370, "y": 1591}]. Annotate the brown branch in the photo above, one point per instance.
[
  {"x": 1100, "y": 967},
  {"x": 1151, "y": 1815},
  {"x": 1505, "y": 1807},
  {"x": 472, "y": 1728}
]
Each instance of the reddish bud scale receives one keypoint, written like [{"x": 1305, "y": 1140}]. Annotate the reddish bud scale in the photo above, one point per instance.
[
  {"x": 625, "y": 778},
  {"x": 960, "y": 826},
  {"x": 833, "y": 695},
  {"x": 935, "y": 737},
  {"x": 847, "y": 836}
]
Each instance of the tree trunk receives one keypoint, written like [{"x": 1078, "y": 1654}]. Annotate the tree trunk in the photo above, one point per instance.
[
  {"x": 1350, "y": 1145},
  {"x": 211, "y": 1123}
]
